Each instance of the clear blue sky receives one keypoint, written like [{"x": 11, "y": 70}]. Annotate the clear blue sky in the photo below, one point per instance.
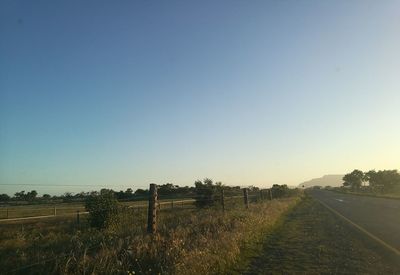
[{"x": 124, "y": 93}]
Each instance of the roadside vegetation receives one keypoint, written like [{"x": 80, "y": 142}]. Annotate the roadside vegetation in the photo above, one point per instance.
[
  {"x": 11, "y": 207},
  {"x": 382, "y": 183},
  {"x": 113, "y": 238},
  {"x": 312, "y": 240},
  {"x": 33, "y": 198}
]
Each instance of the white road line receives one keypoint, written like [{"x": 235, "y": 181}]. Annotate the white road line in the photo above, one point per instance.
[{"x": 366, "y": 232}]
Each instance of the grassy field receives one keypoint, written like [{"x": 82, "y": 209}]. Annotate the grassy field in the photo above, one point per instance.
[
  {"x": 188, "y": 241},
  {"x": 312, "y": 240},
  {"x": 24, "y": 211}
]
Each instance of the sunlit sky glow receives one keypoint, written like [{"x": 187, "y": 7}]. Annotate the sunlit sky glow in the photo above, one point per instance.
[{"x": 124, "y": 93}]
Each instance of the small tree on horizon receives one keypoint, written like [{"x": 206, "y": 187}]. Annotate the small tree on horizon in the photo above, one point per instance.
[
  {"x": 20, "y": 196},
  {"x": 4, "y": 197},
  {"x": 383, "y": 180},
  {"x": 46, "y": 196},
  {"x": 354, "y": 179},
  {"x": 30, "y": 196}
]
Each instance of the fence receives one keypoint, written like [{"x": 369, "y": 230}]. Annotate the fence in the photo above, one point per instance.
[
  {"x": 153, "y": 205},
  {"x": 144, "y": 217},
  {"x": 209, "y": 199}
]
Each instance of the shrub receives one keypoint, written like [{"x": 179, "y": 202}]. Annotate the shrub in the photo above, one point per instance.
[
  {"x": 102, "y": 208},
  {"x": 283, "y": 191},
  {"x": 206, "y": 192}
]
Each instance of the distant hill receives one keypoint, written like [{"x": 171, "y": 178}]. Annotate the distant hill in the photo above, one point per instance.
[{"x": 327, "y": 180}]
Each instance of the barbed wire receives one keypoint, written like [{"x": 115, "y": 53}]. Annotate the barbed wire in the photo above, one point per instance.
[
  {"x": 215, "y": 199},
  {"x": 137, "y": 206}
]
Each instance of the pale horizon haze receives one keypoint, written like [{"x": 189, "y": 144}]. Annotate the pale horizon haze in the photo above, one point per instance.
[{"x": 121, "y": 94}]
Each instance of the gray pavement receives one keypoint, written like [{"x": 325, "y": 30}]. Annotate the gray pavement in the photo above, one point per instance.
[{"x": 378, "y": 216}]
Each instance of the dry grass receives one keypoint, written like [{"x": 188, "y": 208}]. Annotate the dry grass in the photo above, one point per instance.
[
  {"x": 33, "y": 210},
  {"x": 312, "y": 240},
  {"x": 188, "y": 241}
]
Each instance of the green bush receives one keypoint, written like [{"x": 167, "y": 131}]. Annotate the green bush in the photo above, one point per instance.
[
  {"x": 206, "y": 192},
  {"x": 283, "y": 191},
  {"x": 102, "y": 208}
]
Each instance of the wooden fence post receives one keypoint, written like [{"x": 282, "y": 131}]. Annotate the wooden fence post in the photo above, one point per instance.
[
  {"x": 77, "y": 217},
  {"x": 246, "y": 197},
  {"x": 172, "y": 204},
  {"x": 7, "y": 213},
  {"x": 152, "y": 211},
  {"x": 270, "y": 194},
  {"x": 55, "y": 211},
  {"x": 223, "y": 200},
  {"x": 261, "y": 195}
]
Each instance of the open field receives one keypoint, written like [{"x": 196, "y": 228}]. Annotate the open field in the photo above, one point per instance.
[
  {"x": 282, "y": 236},
  {"x": 184, "y": 235},
  {"x": 62, "y": 209},
  {"x": 313, "y": 240}
]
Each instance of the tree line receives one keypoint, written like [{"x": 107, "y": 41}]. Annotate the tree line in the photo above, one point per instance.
[
  {"x": 167, "y": 190},
  {"x": 103, "y": 206},
  {"x": 378, "y": 181}
]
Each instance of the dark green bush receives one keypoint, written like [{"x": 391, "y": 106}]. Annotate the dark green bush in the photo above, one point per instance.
[
  {"x": 102, "y": 208},
  {"x": 206, "y": 192},
  {"x": 283, "y": 191}
]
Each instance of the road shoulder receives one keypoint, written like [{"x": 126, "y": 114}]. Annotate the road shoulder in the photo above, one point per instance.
[{"x": 311, "y": 239}]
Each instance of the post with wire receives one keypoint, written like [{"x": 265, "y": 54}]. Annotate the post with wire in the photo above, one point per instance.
[
  {"x": 152, "y": 210},
  {"x": 246, "y": 197},
  {"x": 222, "y": 200}
]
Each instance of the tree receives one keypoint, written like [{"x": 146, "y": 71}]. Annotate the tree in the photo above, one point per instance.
[
  {"x": 279, "y": 191},
  {"x": 385, "y": 180},
  {"x": 81, "y": 195},
  {"x": 30, "y": 196},
  {"x": 46, "y": 196},
  {"x": 354, "y": 179},
  {"x": 67, "y": 197},
  {"x": 120, "y": 195},
  {"x": 390, "y": 179},
  {"x": 371, "y": 178},
  {"x": 141, "y": 192},
  {"x": 4, "y": 197},
  {"x": 167, "y": 189},
  {"x": 129, "y": 192},
  {"x": 20, "y": 196}
]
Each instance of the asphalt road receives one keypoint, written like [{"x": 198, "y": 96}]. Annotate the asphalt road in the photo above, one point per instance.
[{"x": 378, "y": 216}]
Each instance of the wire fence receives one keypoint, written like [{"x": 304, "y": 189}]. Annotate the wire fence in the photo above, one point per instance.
[
  {"x": 12, "y": 214},
  {"x": 135, "y": 216},
  {"x": 32, "y": 212},
  {"x": 29, "y": 214}
]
